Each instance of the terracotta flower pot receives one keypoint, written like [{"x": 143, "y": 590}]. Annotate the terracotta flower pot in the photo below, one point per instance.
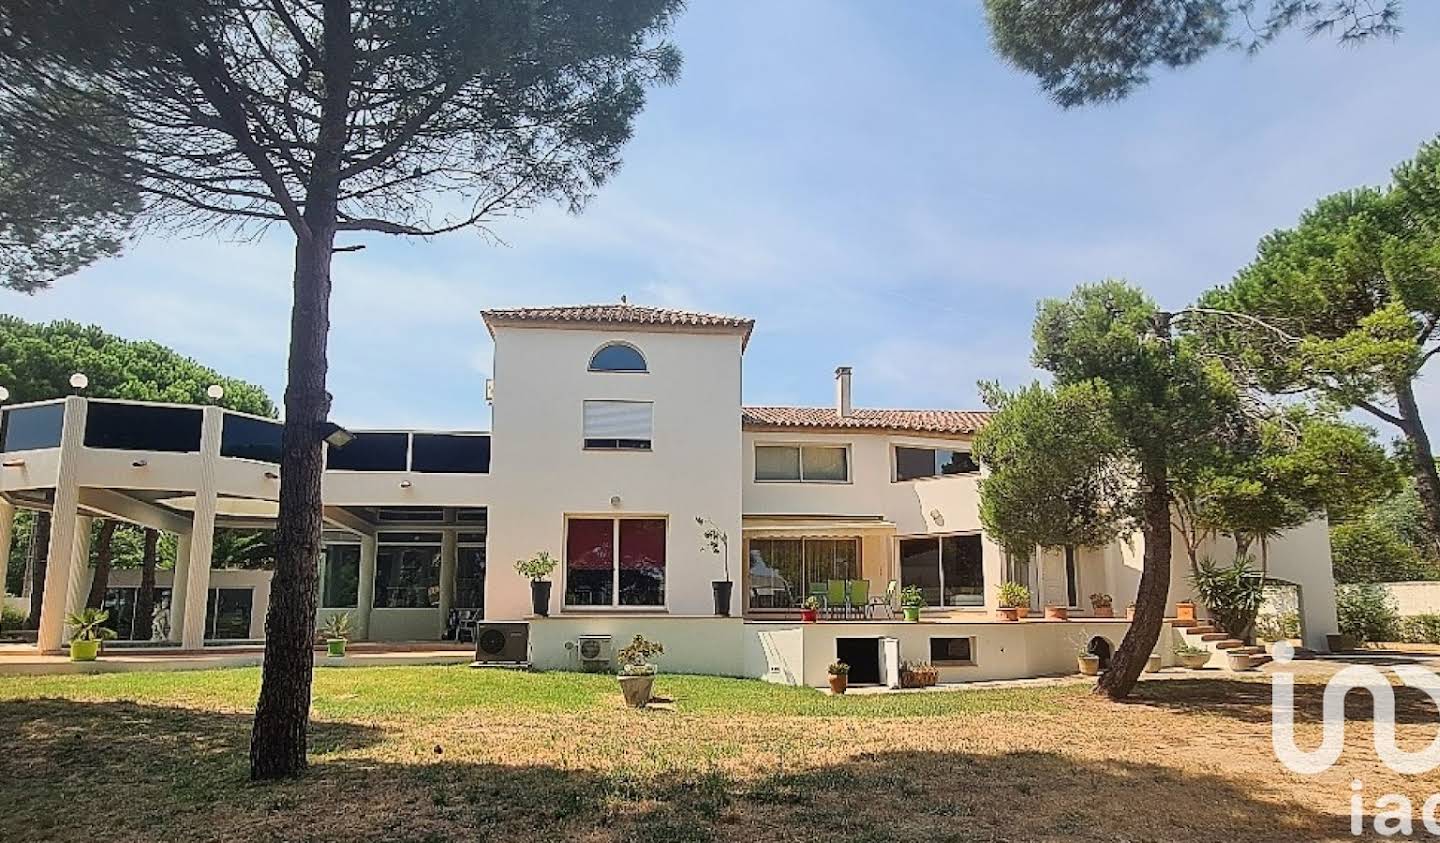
[
  {"x": 1007, "y": 613},
  {"x": 1185, "y": 611},
  {"x": 1130, "y": 612},
  {"x": 1022, "y": 611},
  {"x": 1057, "y": 613},
  {"x": 1104, "y": 611},
  {"x": 636, "y": 689},
  {"x": 1089, "y": 665},
  {"x": 838, "y": 683}
]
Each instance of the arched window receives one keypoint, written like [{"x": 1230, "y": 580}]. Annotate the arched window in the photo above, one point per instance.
[{"x": 618, "y": 357}]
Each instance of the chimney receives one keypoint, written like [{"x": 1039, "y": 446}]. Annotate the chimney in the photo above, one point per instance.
[{"x": 842, "y": 392}]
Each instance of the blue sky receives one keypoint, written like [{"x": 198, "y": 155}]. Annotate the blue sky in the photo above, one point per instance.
[{"x": 868, "y": 181}]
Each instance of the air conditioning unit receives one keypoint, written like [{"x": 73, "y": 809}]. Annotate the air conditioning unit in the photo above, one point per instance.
[
  {"x": 502, "y": 643},
  {"x": 594, "y": 652}
]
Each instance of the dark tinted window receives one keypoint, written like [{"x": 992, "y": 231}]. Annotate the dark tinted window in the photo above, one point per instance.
[
  {"x": 142, "y": 427},
  {"x": 914, "y": 462},
  {"x": 951, "y": 651},
  {"x": 956, "y": 462},
  {"x": 29, "y": 428},
  {"x": 450, "y": 454},
  {"x": 410, "y": 513},
  {"x": 250, "y": 439},
  {"x": 617, "y": 357},
  {"x": 371, "y": 452}
]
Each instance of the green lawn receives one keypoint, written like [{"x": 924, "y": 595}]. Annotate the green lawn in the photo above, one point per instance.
[{"x": 450, "y": 753}]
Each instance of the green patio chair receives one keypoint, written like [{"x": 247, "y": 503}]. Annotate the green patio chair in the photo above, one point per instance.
[
  {"x": 820, "y": 591},
  {"x": 835, "y": 596},
  {"x": 860, "y": 597}
]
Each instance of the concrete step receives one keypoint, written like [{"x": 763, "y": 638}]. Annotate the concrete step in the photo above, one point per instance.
[
  {"x": 1203, "y": 629},
  {"x": 1254, "y": 651},
  {"x": 1215, "y": 636},
  {"x": 1256, "y": 661},
  {"x": 1179, "y": 624},
  {"x": 1228, "y": 644}
]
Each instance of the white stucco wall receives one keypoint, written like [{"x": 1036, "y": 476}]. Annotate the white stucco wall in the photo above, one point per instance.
[
  {"x": 545, "y": 474},
  {"x": 1414, "y": 598}
]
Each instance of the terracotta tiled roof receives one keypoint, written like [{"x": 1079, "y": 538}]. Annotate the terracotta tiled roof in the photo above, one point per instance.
[
  {"x": 618, "y": 314},
  {"x": 920, "y": 421}
]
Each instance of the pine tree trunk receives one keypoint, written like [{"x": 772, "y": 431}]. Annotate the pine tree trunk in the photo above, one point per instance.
[
  {"x": 39, "y": 555},
  {"x": 1154, "y": 590},
  {"x": 1422, "y": 459},
  {"x": 145, "y": 594},
  {"x": 282, "y": 716},
  {"x": 101, "y": 581}
]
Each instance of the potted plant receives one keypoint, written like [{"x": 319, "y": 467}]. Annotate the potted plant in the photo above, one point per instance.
[
  {"x": 1152, "y": 663},
  {"x": 1239, "y": 662},
  {"x": 1088, "y": 662},
  {"x": 918, "y": 675},
  {"x": 1130, "y": 612},
  {"x": 87, "y": 630},
  {"x": 336, "y": 632},
  {"x": 839, "y": 677},
  {"x": 1192, "y": 657},
  {"x": 912, "y": 600},
  {"x": 810, "y": 609},
  {"x": 637, "y": 673},
  {"x": 536, "y": 569},
  {"x": 1185, "y": 611},
  {"x": 1103, "y": 605},
  {"x": 1057, "y": 613},
  {"x": 1013, "y": 599},
  {"x": 716, "y": 541}
]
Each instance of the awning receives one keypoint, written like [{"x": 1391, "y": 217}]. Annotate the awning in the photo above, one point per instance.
[{"x": 815, "y": 526}]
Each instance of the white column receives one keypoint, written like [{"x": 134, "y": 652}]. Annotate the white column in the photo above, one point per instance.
[
  {"x": 80, "y": 558},
  {"x": 202, "y": 534},
  {"x": 448, "y": 565},
  {"x": 366, "y": 593},
  {"x": 7, "y": 537},
  {"x": 60, "y": 566},
  {"x": 177, "y": 584}
]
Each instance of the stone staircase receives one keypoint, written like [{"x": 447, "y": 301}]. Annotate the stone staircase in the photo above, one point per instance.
[{"x": 1204, "y": 635}]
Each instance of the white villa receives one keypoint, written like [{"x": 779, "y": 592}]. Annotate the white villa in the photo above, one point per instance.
[{"x": 615, "y": 427}]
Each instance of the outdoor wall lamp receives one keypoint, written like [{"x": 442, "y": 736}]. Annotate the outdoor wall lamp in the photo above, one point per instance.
[
  {"x": 140, "y": 463},
  {"x": 4, "y": 395},
  {"x": 215, "y": 392},
  {"x": 334, "y": 435},
  {"x": 405, "y": 484},
  {"x": 13, "y": 463},
  {"x": 79, "y": 381},
  {"x": 270, "y": 475},
  {"x": 615, "y": 501}
]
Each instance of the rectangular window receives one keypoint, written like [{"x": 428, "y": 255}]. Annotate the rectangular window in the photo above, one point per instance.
[
  {"x": 802, "y": 463},
  {"x": 783, "y": 571},
  {"x": 914, "y": 463},
  {"x": 228, "y": 614},
  {"x": 615, "y": 562},
  {"x": 142, "y": 427},
  {"x": 370, "y": 452},
  {"x": 32, "y": 428},
  {"x": 1072, "y": 579},
  {"x": 250, "y": 439},
  {"x": 949, "y": 570},
  {"x": 407, "y": 571},
  {"x": 952, "y": 651},
  {"x": 341, "y": 588},
  {"x": 449, "y": 453},
  {"x": 618, "y": 425},
  {"x": 470, "y": 571}
]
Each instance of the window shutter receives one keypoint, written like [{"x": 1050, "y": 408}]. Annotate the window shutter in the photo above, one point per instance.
[{"x": 618, "y": 419}]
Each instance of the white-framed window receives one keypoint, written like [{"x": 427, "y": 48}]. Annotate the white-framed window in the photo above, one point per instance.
[
  {"x": 802, "y": 463},
  {"x": 612, "y": 562},
  {"x": 618, "y": 425},
  {"x": 949, "y": 570},
  {"x": 914, "y": 463},
  {"x": 618, "y": 357},
  {"x": 952, "y": 651}
]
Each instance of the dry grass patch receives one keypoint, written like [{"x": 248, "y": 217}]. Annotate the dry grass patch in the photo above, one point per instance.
[{"x": 435, "y": 753}]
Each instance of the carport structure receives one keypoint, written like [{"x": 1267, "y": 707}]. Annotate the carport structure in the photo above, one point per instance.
[{"x": 189, "y": 469}]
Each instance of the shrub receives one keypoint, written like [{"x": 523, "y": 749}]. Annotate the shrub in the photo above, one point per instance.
[
  {"x": 1190, "y": 650},
  {"x": 839, "y": 669},
  {"x": 1366, "y": 612},
  {"x": 1012, "y": 595},
  {"x": 635, "y": 657},
  {"x": 1232, "y": 593},
  {"x": 537, "y": 567},
  {"x": 1101, "y": 601},
  {"x": 1420, "y": 629},
  {"x": 336, "y": 626},
  {"x": 12, "y": 617},
  {"x": 911, "y": 597},
  {"x": 1277, "y": 627}
]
